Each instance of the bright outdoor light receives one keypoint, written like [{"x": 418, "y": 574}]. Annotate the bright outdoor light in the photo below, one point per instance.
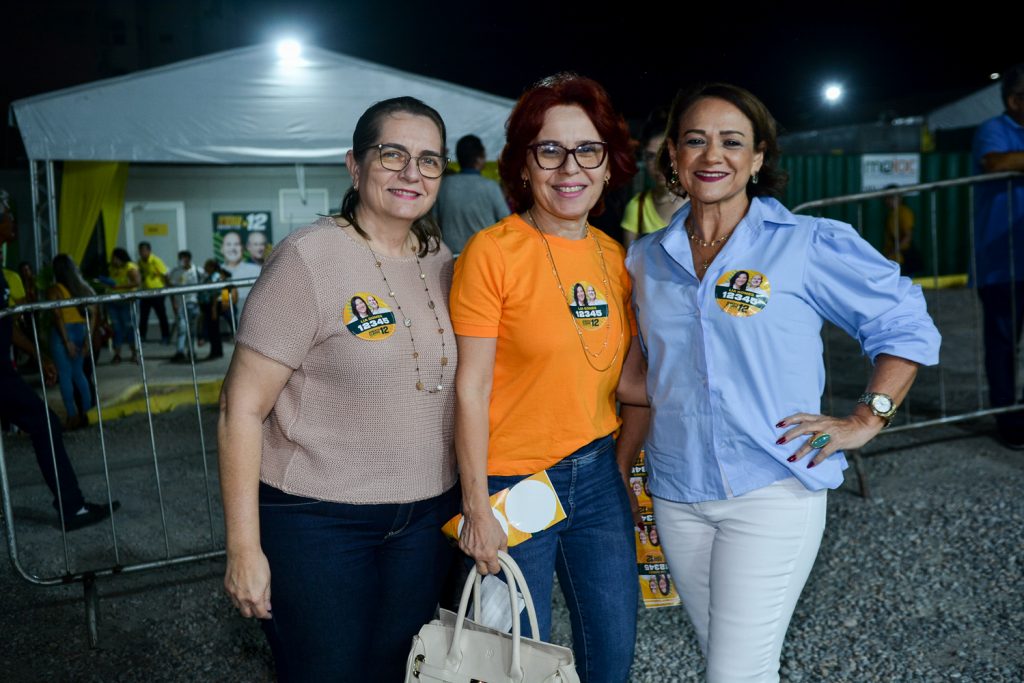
[
  {"x": 994, "y": 76},
  {"x": 289, "y": 50},
  {"x": 833, "y": 93}
]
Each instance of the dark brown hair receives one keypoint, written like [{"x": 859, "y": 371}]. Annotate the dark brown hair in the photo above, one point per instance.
[
  {"x": 771, "y": 179},
  {"x": 365, "y": 138}
]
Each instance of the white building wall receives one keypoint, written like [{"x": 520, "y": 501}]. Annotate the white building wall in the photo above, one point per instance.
[{"x": 209, "y": 189}]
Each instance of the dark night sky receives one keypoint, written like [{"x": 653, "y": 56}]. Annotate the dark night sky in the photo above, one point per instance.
[{"x": 894, "y": 58}]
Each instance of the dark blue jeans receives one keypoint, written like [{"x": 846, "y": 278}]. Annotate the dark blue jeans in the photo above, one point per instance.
[
  {"x": 592, "y": 551},
  {"x": 20, "y": 405},
  {"x": 154, "y": 303},
  {"x": 1002, "y": 329},
  {"x": 350, "y": 585}
]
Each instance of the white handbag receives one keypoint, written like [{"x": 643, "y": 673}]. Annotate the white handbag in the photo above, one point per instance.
[{"x": 454, "y": 649}]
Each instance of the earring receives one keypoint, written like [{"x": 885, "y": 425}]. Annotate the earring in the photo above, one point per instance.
[
  {"x": 753, "y": 179},
  {"x": 606, "y": 181},
  {"x": 673, "y": 179},
  {"x": 526, "y": 183}
]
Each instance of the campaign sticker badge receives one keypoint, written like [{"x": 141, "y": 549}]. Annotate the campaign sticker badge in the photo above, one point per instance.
[
  {"x": 743, "y": 293},
  {"x": 588, "y": 305},
  {"x": 368, "y": 318}
]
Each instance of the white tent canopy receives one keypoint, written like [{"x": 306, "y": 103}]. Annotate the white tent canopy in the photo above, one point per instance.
[
  {"x": 243, "y": 106},
  {"x": 969, "y": 111}
]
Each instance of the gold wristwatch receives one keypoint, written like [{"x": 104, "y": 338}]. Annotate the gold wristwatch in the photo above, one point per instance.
[{"x": 881, "y": 405}]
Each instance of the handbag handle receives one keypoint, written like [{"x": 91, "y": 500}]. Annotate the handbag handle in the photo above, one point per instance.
[{"x": 514, "y": 576}]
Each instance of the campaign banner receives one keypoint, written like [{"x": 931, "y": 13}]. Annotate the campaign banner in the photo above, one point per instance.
[
  {"x": 656, "y": 585},
  {"x": 241, "y": 240}
]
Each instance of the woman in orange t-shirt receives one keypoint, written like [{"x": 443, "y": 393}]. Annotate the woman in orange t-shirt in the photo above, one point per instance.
[{"x": 539, "y": 366}]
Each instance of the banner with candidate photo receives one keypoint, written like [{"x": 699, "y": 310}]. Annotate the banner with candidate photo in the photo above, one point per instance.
[{"x": 242, "y": 240}]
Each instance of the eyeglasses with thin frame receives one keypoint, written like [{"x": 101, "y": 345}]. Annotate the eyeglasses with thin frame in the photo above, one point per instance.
[
  {"x": 396, "y": 159},
  {"x": 551, "y": 155}
]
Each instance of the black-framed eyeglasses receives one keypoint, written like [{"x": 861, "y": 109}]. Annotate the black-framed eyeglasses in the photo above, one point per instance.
[
  {"x": 396, "y": 159},
  {"x": 551, "y": 155}
]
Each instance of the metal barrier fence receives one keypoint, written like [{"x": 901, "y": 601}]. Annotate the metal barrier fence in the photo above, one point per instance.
[
  {"x": 939, "y": 410},
  {"x": 115, "y": 563}
]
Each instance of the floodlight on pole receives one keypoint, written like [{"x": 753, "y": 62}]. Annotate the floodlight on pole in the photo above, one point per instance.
[
  {"x": 289, "y": 51},
  {"x": 833, "y": 93}
]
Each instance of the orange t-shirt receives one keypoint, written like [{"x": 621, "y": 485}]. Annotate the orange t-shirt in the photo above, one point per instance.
[{"x": 546, "y": 399}]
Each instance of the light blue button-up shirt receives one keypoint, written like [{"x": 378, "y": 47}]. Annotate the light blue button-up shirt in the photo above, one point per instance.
[{"x": 726, "y": 363}]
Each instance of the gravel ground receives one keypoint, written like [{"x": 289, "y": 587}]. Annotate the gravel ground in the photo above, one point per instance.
[{"x": 920, "y": 582}]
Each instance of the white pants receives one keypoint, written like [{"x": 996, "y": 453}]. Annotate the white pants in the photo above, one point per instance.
[{"x": 739, "y": 566}]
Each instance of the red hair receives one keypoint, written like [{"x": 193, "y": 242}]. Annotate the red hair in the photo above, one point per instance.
[{"x": 527, "y": 118}]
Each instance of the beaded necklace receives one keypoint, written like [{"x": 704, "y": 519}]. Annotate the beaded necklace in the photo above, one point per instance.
[{"x": 407, "y": 321}]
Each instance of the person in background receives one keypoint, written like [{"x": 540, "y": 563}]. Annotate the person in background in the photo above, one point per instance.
[
  {"x": 185, "y": 317},
  {"x": 126, "y": 277},
  {"x": 28, "y": 279},
  {"x": 69, "y": 345},
  {"x": 468, "y": 202},
  {"x": 209, "y": 307},
  {"x": 650, "y": 210},
  {"x": 998, "y": 214},
  {"x": 899, "y": 234},
  {"x": 154, "y": 276},
  {"x": 20, "y": 406}
]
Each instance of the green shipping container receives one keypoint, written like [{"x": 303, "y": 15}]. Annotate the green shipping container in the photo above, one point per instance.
[{"x": 940, "y": 234}]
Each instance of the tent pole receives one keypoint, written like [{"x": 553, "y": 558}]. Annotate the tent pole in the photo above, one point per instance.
[
  {"x": 33, "y": 174},
  {"x": 300, "y": 180},
  {"x": 50, "y": 190}
]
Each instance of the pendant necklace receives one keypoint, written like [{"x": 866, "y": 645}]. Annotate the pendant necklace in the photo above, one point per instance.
[
  {"x": 587, "y": 353},
  {"x": 407, "y": 322}
]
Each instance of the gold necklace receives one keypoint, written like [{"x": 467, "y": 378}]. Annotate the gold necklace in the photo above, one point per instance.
[
  {"x": 587, "y": 353},
  {"x": 712, "y": 243},
  {"x": 715, "y": 245},
  {"x": 407, "y": 322}
]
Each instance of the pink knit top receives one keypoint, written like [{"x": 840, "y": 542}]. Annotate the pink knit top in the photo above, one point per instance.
[{"x": 350, "y": 425}]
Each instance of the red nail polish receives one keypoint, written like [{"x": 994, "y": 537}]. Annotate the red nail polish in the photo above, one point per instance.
[
  {"x": 781, "y": 440},
  {"x": 782, "y": 423},
  {"x": 791, "y": 458},
  {"x": 810, "y": 464}
]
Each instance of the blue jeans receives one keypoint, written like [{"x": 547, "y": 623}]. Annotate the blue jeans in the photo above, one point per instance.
[
  {"x": 192, "y": 314},
  {"x": 593, "y": 552},
  {"x": 70, "y": 371},
  {"x": 350, "y": 585},
  {"x": 120, "y": 314}
]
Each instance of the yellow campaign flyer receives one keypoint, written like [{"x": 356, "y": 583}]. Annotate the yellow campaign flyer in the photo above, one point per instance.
[
  {"x": 530, "y": 506},
  {"x": 656, "y": 585}
]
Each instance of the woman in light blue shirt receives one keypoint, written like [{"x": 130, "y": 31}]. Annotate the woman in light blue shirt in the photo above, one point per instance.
[{"x": 739, "y": 456}]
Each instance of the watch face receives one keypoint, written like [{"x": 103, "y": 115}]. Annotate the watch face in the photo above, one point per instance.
[{"x": 881, "y": 403}]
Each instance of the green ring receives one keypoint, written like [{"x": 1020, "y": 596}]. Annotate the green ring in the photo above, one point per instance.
[{"x": 820, "y": 441}]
